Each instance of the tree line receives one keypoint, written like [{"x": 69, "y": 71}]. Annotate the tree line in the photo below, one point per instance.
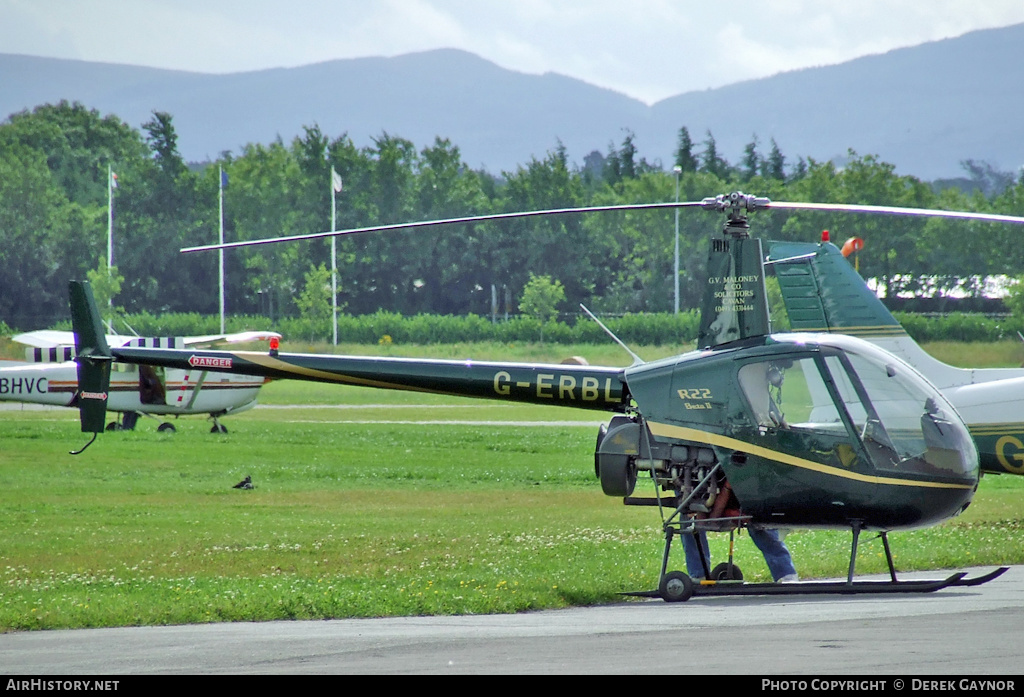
[{"x": 55, "y": 160}]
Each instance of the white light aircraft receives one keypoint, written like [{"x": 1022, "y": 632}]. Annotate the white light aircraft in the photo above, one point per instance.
[{"x": 49, "y": 377}]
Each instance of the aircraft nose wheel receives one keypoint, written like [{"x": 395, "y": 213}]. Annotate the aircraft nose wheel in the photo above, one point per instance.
[{"x": 675, "y": 587}]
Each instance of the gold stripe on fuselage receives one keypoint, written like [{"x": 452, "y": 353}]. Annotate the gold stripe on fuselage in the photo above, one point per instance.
[
  {"x": 1004, "y": 429},
  {"x": 692, "y": 434},
  {"x": 866, "y": 331},
  {"x": 327, "y": 376}
]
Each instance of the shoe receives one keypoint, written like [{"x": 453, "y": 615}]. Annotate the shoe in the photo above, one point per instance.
[{"x": 789, "y": 578}]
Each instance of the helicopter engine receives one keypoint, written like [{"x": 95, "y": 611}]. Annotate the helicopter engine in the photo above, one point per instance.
[{"x": 625, "y": 447}]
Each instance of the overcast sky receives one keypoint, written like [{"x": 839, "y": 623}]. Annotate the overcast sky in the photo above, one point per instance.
[{"x": 648, "y": 49}]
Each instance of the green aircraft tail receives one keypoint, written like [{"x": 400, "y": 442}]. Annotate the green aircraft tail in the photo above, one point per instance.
[
  {"x": 93, "y": 358},
  {"x": 823, "y": 292}
]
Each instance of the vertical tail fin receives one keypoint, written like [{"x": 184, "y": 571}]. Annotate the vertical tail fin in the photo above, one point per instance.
[
  {"x": 93, "y": 358},
  {"x": 823, "y": 293}
]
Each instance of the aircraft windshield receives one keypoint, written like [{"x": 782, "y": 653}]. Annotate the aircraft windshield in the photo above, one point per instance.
[{"x": 904, "y": 423}]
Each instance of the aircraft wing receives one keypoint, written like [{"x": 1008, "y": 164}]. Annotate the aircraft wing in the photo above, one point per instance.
[
  {"x": 45, "y": 338},
  {"x": 53, "y": 338},
  {"x": 235, "y": 338}
]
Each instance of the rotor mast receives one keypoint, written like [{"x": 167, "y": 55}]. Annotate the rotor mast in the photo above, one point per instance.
[{"x": 735, "y": 304}]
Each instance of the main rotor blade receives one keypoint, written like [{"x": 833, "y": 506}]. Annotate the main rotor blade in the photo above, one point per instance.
[
  {"x": 895, "y": 210},
  {"x": 707, "y": 204},
  {"x": 449, "y": 221}
]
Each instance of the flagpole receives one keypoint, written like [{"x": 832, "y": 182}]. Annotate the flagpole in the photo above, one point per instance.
[
  {"x": 221, "y": 240},
  {"x": 110, "y": 219},
  {"x": 335, "y": 181}
]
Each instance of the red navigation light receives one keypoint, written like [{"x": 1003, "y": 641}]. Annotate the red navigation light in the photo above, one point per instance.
[
  {"x": 275, "y": 343},
  {"x": 824, "y": 235}
]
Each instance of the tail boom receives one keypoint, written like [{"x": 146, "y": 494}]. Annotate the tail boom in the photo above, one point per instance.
[{"x": 586, "y": 387}]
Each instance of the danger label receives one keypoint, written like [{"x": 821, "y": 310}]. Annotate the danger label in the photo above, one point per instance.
[{"x": 209, "y": 362}]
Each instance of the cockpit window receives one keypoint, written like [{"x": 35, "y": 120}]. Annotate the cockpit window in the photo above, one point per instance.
[
  {"x": 789, "y": 393},
  {"x": 847, "y": 392}
]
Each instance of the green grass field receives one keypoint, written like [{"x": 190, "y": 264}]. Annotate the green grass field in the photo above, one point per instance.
[{"x": 351, "y": 517}]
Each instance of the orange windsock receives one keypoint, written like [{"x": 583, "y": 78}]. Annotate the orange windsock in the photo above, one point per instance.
[{"x": 854, "y": 244}]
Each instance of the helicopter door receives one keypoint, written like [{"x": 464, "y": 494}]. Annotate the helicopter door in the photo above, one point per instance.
[
  {"x": 796, "y": 430},
  {"x": 794, "y": 409}
]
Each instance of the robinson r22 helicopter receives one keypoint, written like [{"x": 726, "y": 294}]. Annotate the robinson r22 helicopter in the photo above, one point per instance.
[{"x": 804, "y": 430}]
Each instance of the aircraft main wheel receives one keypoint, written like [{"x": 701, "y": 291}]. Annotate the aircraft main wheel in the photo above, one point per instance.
[
  {"x": 726, "y": 572},
  {"x": 675, "y": 587},
  {"x": 166, "y": 426},
  {"x": 113, "y": 426},
  {"x": 219, "y": 428},
  {"x": 129, "y": 420}
]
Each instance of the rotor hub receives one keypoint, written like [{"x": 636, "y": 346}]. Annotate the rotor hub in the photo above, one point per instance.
[{"x": 736, "y": 205}]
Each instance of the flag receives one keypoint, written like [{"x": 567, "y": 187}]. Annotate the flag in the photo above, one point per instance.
[
  {"x": 336, "y": 180},
  {"x": 113, "y": 180},
  {"x": 223, "y": 179}
]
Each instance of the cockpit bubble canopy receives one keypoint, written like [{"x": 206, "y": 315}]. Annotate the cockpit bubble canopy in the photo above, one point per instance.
[{"x": 844, "y": 384}]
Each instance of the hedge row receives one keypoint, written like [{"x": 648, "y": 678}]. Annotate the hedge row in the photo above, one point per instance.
[
  {"x": 960, "y": 326},
  {"x": 642, "y": 329},
  {"x": 634, "y": 329}
]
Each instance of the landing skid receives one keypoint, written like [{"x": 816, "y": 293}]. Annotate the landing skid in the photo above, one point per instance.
[
  {"x": 676, "y": 586},
  {"x": 984, "y": 578},
  {"x": 720, "y": 588},
  {"x": 727, "y": 579}
]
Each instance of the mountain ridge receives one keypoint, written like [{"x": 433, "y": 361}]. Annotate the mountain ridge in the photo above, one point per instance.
[{"x": 925, "y": 109}]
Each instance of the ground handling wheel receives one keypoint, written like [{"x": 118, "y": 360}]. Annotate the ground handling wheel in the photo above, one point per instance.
[
  {"x": 726, "y": 572},
  {"x": 675, "y": 587}
]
